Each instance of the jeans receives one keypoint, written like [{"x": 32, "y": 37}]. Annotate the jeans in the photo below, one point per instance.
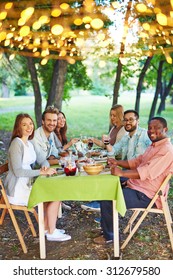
[{"x": 133, "y": 199}]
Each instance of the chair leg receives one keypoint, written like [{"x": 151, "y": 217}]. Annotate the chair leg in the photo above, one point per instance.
[
  {"x": 35, "y": 215},
  {"x": 168, "y": 220},
  {"x": 19, "y": 234},
  {"x": 30, "y": 223},
  {"x": 4, "y": 212},
  {"x": 134, "y": 229},
  {"x": 131, "y": 221}
]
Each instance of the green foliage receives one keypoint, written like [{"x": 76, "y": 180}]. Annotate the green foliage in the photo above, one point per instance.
[
  {"x": 20, "y": 88},
  {"x": 76, "y": 78},
  {"x": 15, "y": 75}
]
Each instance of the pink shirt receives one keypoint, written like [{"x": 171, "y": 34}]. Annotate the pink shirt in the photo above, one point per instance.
[{"x": 153, "y": 166}]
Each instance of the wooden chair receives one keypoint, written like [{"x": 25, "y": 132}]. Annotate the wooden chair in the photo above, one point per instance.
[
  {"x": 164, "y": 210},
  {"x": 10, "y": 208}
]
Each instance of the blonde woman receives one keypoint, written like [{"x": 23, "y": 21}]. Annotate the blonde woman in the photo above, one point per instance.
[
  {"x": 115, "y": 134},
  {"x": 117, "y": 130}
]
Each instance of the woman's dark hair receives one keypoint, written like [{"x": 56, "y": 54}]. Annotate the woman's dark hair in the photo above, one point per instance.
[
  {"x": 61, "y": 134},
  {"x": 17, "y": 131},
  {"x": 162, "y": 120}
]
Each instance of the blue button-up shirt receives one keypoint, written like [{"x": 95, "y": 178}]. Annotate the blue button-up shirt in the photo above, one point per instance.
[
  {"x": 44, "y": 147},
  {"x": 131, "y": 147}
]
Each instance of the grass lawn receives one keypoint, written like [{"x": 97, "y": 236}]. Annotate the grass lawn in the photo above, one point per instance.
[{"x": 86, "y": 115}]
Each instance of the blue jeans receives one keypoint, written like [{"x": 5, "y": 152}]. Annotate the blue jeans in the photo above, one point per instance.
[{"x": 132, "y": 199}]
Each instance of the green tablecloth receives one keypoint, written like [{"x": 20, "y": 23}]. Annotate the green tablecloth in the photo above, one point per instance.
[{"x": 81, "y": 188}]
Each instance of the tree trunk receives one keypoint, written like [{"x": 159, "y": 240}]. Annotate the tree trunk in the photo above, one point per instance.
[
  {"x": 119, "y": 66},
  {"x": 57, "y": 87},
  {"x": 164, "y": 96},
  {"x": 36, "y": 88},
  {"x": 117, "y": 83},
  {"x": 158, "y": 89},
  {"x": 140, "y": 83}
]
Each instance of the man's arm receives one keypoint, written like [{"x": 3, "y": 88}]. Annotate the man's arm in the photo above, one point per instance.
[
  {"x": 131, "y": 174},
  {"x": 121, "y": 163}
]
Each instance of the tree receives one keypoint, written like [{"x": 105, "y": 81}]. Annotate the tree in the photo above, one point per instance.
[
  {"x": 57, "y": 81},
  {"x": 140, "y": 82},
  {"x": 157, "y": 90},
  {"x": 36, "y": 89}
]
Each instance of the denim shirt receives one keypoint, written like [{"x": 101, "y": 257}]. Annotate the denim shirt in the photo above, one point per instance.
[
  {"x": 44, "y": 147},
  {"x": 131, "y": 147}
]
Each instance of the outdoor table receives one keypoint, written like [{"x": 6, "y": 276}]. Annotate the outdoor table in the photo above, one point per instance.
[{"x": 80, "y": 188}]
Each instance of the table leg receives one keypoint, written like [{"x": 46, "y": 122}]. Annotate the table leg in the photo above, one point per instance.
[
  {"x": 41, "y": 231},
  {"x": 115, "y": 230}
]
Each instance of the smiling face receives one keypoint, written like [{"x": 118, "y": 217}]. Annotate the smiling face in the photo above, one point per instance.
[
  {"x": 27, "y": 127},
  {"x": 130, "y": 122},
  {"x": 156, "y": 130},
  {"x": 61, "y": 121},
  {"x": 50, "y": 122}
]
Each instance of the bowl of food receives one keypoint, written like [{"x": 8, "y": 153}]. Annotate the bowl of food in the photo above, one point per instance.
[{"x": 93, "y": 169}]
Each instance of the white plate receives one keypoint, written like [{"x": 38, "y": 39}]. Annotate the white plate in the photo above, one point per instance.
[{"x": 100, "y": 159}]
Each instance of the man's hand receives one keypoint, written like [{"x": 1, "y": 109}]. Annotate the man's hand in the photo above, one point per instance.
[
  {"x": 116, "y": 171},
  {"x": 112, "y": 162}
]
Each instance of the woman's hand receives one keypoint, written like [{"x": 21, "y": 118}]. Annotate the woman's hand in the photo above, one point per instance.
[
  {"x": 47, "y": 171},
  {"x": 74, "y": 140}
]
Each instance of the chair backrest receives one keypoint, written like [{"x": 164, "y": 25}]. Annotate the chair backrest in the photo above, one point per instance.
[
  {"x": 3, "y": 168},
  {"x": 161, "y": 190}
]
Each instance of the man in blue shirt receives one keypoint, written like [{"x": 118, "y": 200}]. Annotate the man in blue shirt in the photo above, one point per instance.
[
  {"x": 130, "y": 146},
  {"x": 135, "y": 142}
]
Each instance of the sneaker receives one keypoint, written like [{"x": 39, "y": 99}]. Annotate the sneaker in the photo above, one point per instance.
[
  {"x": 91, "y": 206},
  {"x": 57, "y": 236},
  {"x": 97, "y": 220},
  {"x": 66, "y": 206},
  {"x": 60, "y": 230},
  {"x": 101, "y": 240}
]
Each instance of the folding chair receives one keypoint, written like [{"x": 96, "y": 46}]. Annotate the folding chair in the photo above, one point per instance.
[
  {"x": 164, "y": 210},
  {"x": 8, "y": 208}
]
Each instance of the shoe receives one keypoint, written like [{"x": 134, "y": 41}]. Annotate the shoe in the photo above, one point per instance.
[
  {"x": 97, "y": 220},
  {"x": 66, "y": 207},
  {"x": 57, "y": 236},
  {"x": 60, "y": 230},
  {"x": 101, "y": 240},
  {"x": 91, "y": 206}
]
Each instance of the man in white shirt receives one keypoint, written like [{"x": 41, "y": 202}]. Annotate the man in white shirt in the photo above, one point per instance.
[{"x": 43, "y": 141}]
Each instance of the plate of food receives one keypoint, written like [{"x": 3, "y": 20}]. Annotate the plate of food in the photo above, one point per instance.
[
  {"x": 59, "y": 171},
  {"x": 100, "y": 159}
]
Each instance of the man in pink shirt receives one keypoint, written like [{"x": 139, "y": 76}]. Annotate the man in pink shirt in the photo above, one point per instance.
[{"x": 145, "y": 173}]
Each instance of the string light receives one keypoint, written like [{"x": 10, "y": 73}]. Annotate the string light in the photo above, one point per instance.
[{"x": 66, "y": 30}]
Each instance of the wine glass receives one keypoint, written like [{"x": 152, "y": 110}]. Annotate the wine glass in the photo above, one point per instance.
[
  {"x": 106, "y": 139},
  {"x": 90, "y": 143}
]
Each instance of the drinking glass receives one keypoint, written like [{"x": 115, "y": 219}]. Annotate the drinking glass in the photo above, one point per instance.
[
  {"x": 106, "y": 139},
  {"x": 90, "y": 143}
]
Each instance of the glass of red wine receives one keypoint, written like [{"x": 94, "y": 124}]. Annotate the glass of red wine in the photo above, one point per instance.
[
  {"x": 90, "y": 144},
  {"x": 106, "y": 139}
]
